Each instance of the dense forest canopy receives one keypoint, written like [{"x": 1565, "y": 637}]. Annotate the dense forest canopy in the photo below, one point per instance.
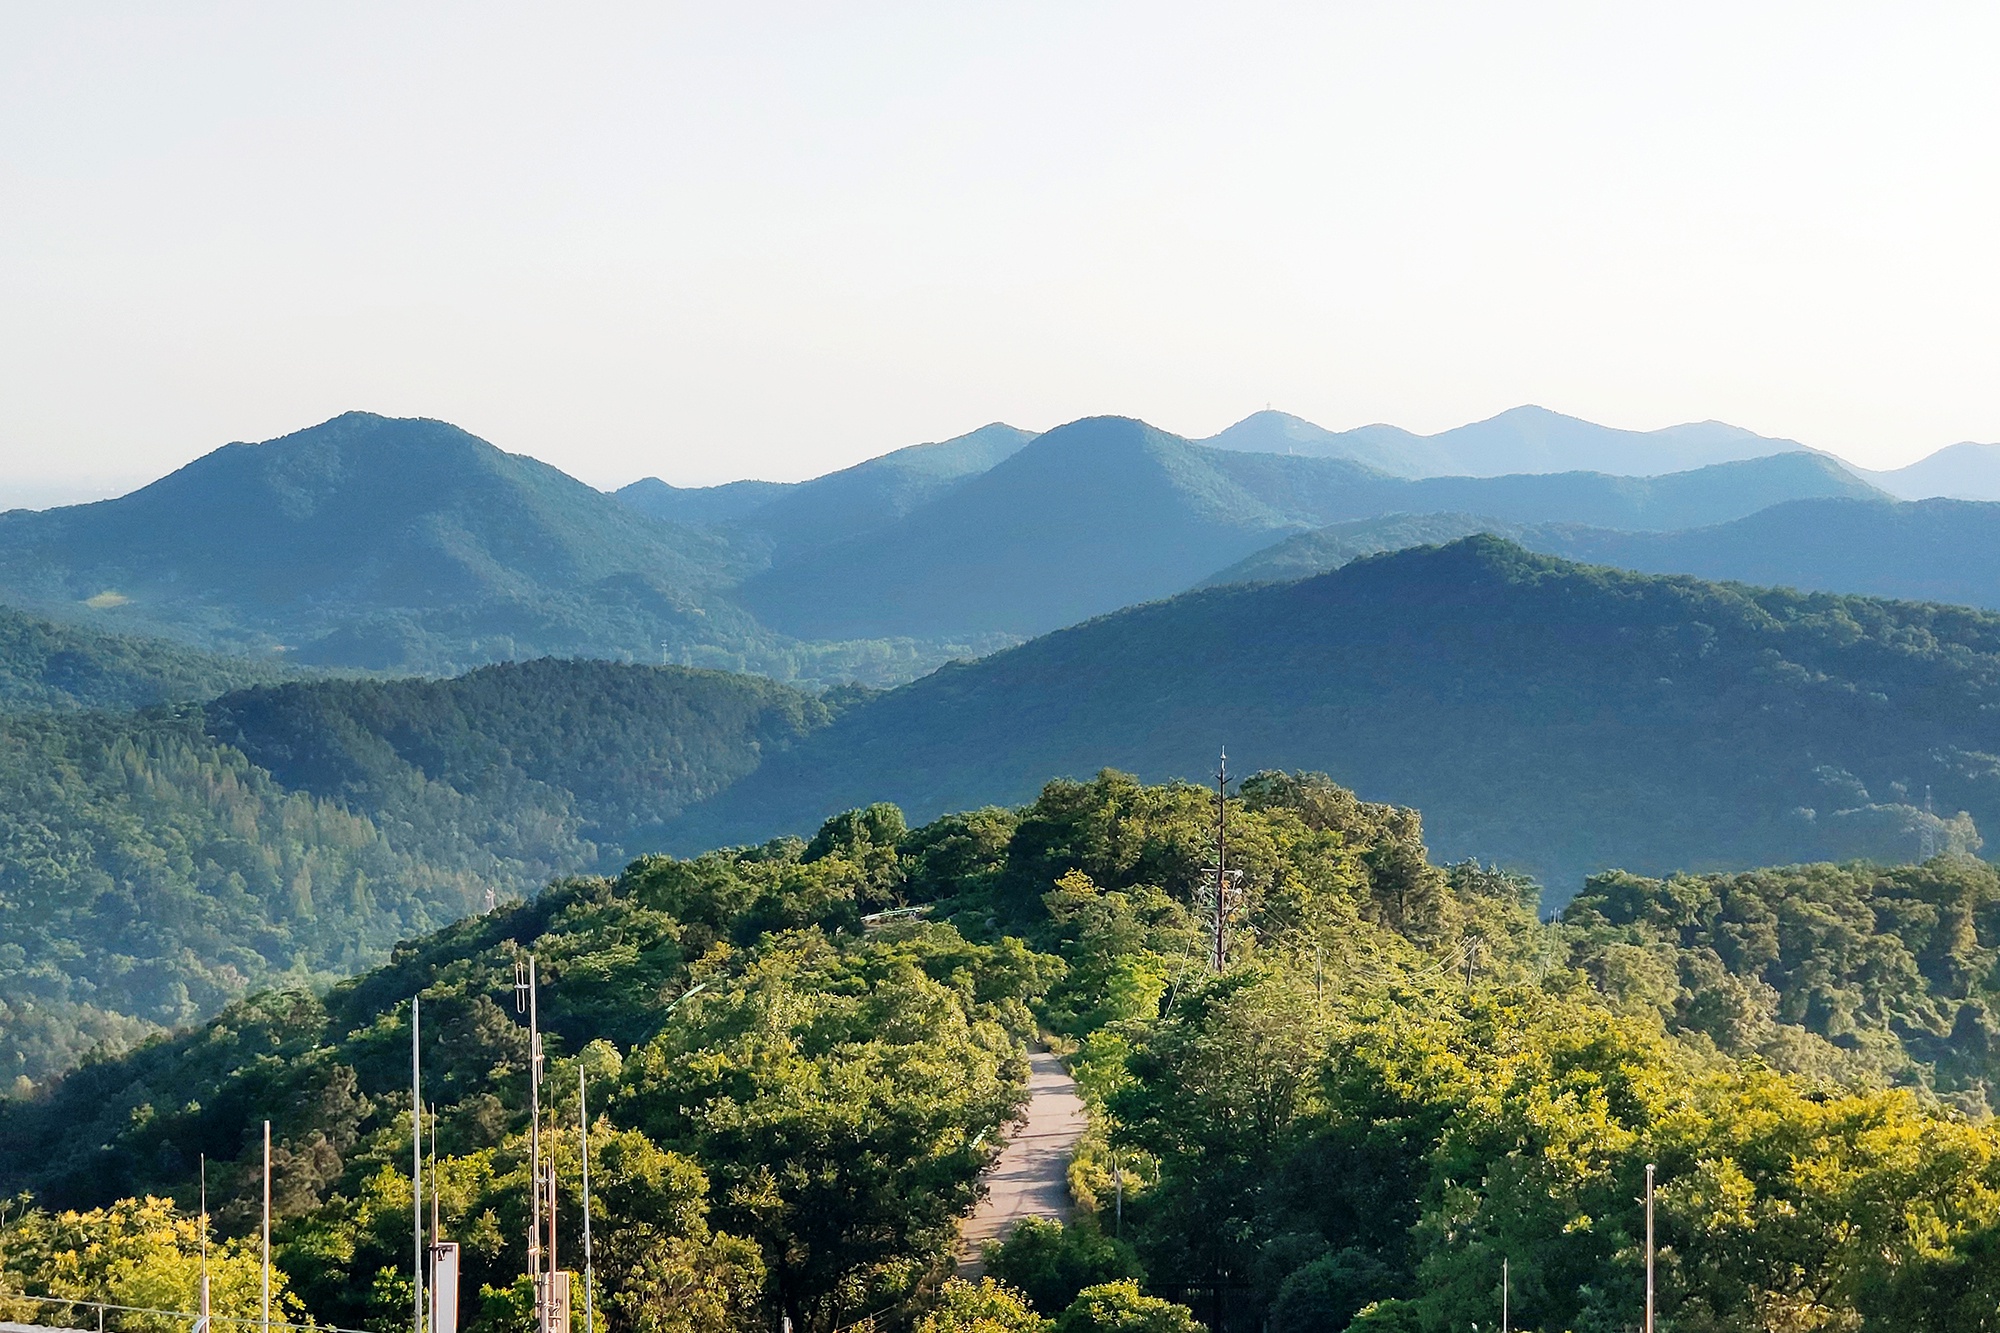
[
  {"x": 161, "y": 863},
  {"x": 1402, "y": 1078}
]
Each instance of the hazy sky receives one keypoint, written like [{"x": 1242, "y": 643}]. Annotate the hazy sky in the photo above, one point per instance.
[{"x": 744, "y": 240}]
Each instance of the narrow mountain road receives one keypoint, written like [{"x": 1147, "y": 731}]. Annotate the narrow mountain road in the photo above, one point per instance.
[{"x": 1031, "y": 1176}]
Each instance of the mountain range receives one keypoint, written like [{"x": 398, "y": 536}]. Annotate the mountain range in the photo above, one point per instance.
[
  {"x": 1523, "y": 439},
  {"x": 1109, "y": 511},
  {"x": 411, "y": 546}
]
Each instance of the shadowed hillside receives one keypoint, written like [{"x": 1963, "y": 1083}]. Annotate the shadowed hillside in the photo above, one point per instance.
[{"x": 1557, "y": 717}]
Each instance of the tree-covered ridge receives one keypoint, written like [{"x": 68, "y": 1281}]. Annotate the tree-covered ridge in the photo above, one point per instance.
[
  {"x": 1853, "y": 971},
  {"x": 1558, "y": 718},
  {"x": 549, "y": 767},
  {"x": 47, "y": 666},
  {"x": 157, "y": 865},
  {"x": 1401, "y": 1079}
]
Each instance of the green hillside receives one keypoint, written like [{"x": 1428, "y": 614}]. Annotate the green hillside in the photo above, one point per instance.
[
  {"x": 157, "y": 865},
  {"x": 1400, "y": 1079},
  {"x": 1108, "y": 512},
  {"x": 1558, "y": 718},
  {"x": 46, "y": 666}
]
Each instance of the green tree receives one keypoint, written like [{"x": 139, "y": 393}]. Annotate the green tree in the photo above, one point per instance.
[
  {"x": 1120, "y": 1307},
  {"x": 983, "y": 1307}
]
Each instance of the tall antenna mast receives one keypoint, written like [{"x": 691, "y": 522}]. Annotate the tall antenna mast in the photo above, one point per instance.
[
  {"x": 1224, "y": 876},
  {"x": 416, "y": 1170},
  {"x": 1930, "y": 825}
]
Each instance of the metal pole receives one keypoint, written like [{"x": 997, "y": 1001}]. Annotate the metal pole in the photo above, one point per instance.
[
  {"x": 1503, "y": 1296},
  {"x": 267, "y": 1228},
  {"x": 1118, "y": 1171},
  {"x": 535, "y": 1252},
  {"x": 416, "y": 1171},
  {"x": 203, "y": 1324},
  {"x": 583, "y": 1139},
  {"x": 1649, "y": 1247}
]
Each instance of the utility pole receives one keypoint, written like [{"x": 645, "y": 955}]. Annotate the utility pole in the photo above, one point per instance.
[
  {"x": 583, "y": 1141},
  {"x": 1118, "y": 1209},
  {"x": 204, "y": 1323},
  {"x": 524, "y": 1001},
  {"x": 416, "y": 1168},
  {"x": 267, "y": 1228},
  {"x": 1649, "y": 1248}
]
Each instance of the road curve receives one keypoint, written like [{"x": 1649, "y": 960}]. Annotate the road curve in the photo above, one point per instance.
[{"x": 1030, "y": 1178}]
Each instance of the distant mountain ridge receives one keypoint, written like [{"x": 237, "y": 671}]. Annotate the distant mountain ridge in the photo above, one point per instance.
[
  {"x": 1108, "y": 511},
  {"x": 1557, "y": 717},
  {"x": 412, "y": 546},
  {"x": 1960, "y": 472},
  {"x": 1522, "y": 439},
  {"x": 801, "y": 516},
  {"x": 1923, "y": 550}
]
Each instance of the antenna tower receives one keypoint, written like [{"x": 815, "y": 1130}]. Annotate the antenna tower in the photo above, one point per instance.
[
  {"x": 1222, "y": 888},
  {"x": 1930, "y": 825}
]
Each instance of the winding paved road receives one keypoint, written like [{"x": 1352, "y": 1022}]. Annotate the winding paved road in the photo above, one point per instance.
[{"x": 1031, "y": 1176}]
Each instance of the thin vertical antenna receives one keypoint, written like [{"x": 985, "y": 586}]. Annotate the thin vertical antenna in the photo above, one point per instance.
[
  {"x": 1649, "y": 1248},
  {"x": 1221, "y": 862},
  {"x": 1503, "y": 1295},
  {"x": 416, "y": 1169},
  {"x": 267, "y": 1228},
  {"x": 1930, "y": 825},
  {"x": 583, "y": 1141}
]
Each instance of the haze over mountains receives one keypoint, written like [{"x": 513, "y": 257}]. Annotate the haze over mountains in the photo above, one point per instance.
[
  {"x": 410, "y": 545},
  {"x": 1522, "y": 439}
]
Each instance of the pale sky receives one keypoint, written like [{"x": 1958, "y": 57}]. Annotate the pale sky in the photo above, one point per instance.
[{"x": 707, "y": 242}]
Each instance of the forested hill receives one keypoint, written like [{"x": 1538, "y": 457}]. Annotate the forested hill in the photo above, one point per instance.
[
  {"x": 1558, "y": 717},
  {"x": 381, "y": 543},
  {"x": 159, "y": 864},
  {"x": 50, "y": 666},
  {"x": 549, "y": 767}
]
